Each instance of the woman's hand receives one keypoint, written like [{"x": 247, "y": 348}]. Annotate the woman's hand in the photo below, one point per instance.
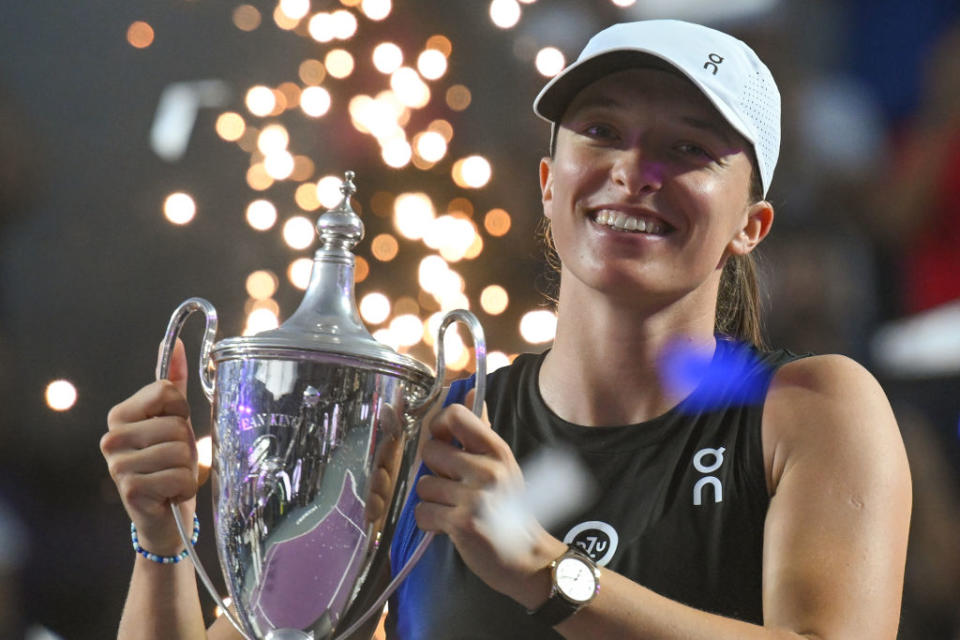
[
  {"x": 472, "y": 498},
  {"x": 151, "y": 453}
]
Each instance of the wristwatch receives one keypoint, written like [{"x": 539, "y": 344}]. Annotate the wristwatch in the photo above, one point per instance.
[{"x": 576, "y": 581}]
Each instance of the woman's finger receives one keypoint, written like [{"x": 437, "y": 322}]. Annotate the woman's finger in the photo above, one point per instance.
[
  {"x": 456, "y": 422},
  {"x": 161, "y": 398},
  {"x": 149, "y": 432},
  {"x": 165, "y": 455}
]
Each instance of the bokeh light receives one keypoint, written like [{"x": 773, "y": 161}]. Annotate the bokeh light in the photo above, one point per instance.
[
  {"x": 298, "y": 232},
  {"x": 361, "y": 269},
  {"x": 384, "y": 247},
  {"x": 472, "y": 172},
  {"x": 140, "y": 34},
  {"x": 306, "y": 197},
  {"x": 432, "y": 64},
  {"x": 284, "y": 21},
  {"x": 295, "y": 9},
  {"x": 407, "y": 329},
  {"x": 339, "y": 63},
  {"x": 273, "y": 138},
  {"x": 376, "y": 9},
  {"x": 387, "y": 57},
  {"x": 494, "y": 299},
  {"x": 497, "y": 360},
  {"x": 431, "y": 146},
  {"x": 315, "y": 101},
  {"x": 262, "y": 284},
  {"x": 179, "y": 208},
  {"x": 550, "y": 61},
  {"x": 321, "y": 27},
  {"x": 411, "y": 90},
  {"x": 205, "y": 451},
  {"x": 298, "y": 273},
  {"x": 442, "y": 127},
  {"x": 257, "y": 177},
  {"x": 328, "y": 191},
  {"x": 262, "y": 319},
  {"x": 538, "y": 327},
  {"x": 441, "y": 43},
  {"x": 230, "y": 126},
  {"x": 260, "y": 101},
  {"x": 246, "y": 17},
  {"x": 344, "y": 24},
  {"x": 311, "y": 72},
  {"x": 458, "y": 97},
  {"x": 396, "y": 152},
  {"x": 505, "y": 13},
  {"x": 303, "y": 168},
  {"x": 497, "y": 222},
  {"x": 412, "y": 214},
  {"x": 61, "y": 395},
  {"x": 279, "y": 165},
  {"x": 374, "y": 307},
  {"x": 261, "y": 215}
]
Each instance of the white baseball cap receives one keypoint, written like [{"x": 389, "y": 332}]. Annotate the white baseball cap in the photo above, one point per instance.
[{"x": 725, "y": 69}]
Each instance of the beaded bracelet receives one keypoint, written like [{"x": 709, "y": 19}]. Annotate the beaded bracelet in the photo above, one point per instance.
[{"x": 164, "y": 559}]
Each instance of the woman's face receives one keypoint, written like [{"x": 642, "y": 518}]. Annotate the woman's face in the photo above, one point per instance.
[{"x": 648, "y": 189}]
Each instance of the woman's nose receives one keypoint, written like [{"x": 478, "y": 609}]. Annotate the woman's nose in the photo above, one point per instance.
[{"x": 637, "y": 171}]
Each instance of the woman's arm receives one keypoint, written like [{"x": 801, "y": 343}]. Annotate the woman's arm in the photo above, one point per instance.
[{"x": 835, "y": 535}]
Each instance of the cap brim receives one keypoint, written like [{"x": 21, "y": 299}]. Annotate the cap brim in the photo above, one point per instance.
[
  {"x": 552, "y": 101},
  {"x": 556, "y": 95}
]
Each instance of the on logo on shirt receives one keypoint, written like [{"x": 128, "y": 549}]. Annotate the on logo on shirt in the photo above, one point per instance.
[{"x": 707, "y": 461}]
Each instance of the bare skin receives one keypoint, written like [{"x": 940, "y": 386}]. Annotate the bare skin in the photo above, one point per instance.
[{"x": 836, "y": 530}]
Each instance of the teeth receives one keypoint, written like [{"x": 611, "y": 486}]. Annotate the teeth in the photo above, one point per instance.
[{"x": 622, "y": 222}]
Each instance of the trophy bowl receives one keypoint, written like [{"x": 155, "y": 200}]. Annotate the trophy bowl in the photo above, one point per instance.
[{"x": 315, "y": 427}]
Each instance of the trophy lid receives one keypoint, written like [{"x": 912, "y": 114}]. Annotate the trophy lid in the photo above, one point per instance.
[{"x": 327, "y": 320}]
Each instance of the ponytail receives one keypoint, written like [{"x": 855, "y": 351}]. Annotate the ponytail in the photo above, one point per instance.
[{"x": 738, "y": 301}]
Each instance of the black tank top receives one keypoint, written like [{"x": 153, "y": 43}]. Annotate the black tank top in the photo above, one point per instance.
[{"x": 681, "y": 511}]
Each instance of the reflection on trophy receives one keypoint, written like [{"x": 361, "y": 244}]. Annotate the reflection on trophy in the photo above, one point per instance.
[{"x": 315, "y": 426}]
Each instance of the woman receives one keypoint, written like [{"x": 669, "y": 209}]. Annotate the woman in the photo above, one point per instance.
[{"x": 780, "y": 512}]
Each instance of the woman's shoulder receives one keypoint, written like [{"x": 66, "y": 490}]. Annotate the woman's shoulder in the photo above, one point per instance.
[{"x": 826, "y": 406}]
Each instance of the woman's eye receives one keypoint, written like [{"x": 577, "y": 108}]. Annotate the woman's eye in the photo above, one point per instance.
[
  {"x": 694, "y": 150},
  {"x": 600, "y": 131}
]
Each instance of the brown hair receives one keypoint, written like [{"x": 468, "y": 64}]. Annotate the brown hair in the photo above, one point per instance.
[{"x": 739, "y": 304}]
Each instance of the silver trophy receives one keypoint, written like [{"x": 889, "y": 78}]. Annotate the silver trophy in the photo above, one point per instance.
[{"x": 315, "y": 427}]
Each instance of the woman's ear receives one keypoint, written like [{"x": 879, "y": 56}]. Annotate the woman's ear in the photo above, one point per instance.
[
  {"x": 546, "y": 186},
  {"x": 759, "y": 220}
]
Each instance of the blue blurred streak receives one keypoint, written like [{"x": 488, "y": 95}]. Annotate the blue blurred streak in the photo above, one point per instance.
[{"x": 734, "y": 374}]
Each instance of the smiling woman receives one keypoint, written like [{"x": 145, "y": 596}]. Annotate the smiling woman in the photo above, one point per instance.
[
  {"x": 741, "y": 493},
  {"x": 718, "y": 463}
]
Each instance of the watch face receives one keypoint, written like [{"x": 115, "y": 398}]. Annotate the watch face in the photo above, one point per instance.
[{"x": 575, "y": 579}]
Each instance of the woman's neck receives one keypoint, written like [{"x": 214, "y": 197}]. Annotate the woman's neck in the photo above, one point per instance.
[{"x": 604, "y": 367}]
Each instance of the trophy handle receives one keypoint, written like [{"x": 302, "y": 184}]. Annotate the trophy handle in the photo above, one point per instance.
[
  {"x": 480, "y": 387},
  {"x": 174, "y": 327},
  {"x": 179, "y": 317},
  {"x": 480, "y": 348}
]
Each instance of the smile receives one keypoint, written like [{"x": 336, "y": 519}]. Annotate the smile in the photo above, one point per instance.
[{"x": 619, "y": 221}]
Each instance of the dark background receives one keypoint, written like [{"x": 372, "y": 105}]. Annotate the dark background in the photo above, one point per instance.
[{"x": 90, "y": 269}]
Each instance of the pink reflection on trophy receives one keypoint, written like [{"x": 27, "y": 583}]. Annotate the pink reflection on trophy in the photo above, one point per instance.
[{"x": 308, "y": 575}]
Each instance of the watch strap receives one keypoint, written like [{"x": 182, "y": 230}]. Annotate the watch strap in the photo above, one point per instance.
[{"x": 554, "y": 611}]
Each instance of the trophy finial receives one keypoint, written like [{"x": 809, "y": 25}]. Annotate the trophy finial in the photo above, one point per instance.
[
  {"x": 341, "y": 227},
  {"x": 348, "y": 188}
]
